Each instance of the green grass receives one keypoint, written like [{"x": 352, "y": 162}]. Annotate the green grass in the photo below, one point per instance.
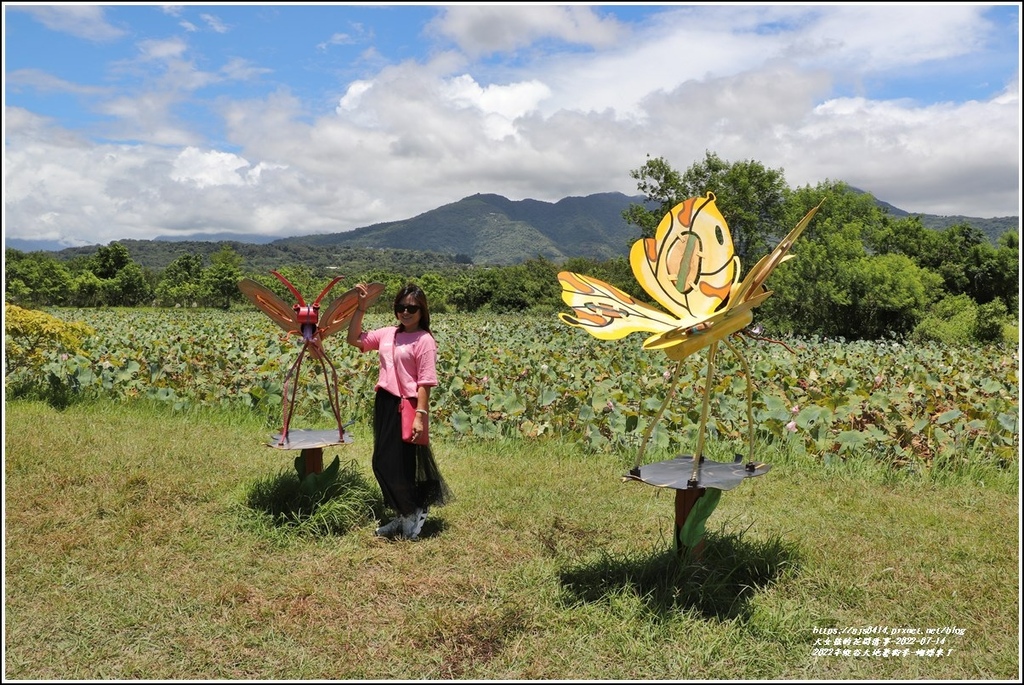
[{"x": 142, "y": 544}]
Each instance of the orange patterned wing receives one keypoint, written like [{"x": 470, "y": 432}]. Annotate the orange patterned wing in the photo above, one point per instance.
[
  {"x": 689, "y": 266},
  {"x": 271, "y": 305},
  {"x": 340, "y": 310},
  {"x": 606, "y": 312}
]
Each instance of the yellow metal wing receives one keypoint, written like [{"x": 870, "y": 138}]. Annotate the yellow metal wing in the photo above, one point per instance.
[
  {"x": 606, "y": 312},
  {"x": 689, "y": 266},
  {"x": 691, "y": 269}
]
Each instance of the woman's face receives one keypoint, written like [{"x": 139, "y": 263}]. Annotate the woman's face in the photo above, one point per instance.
[{"x": 408, "y": 313}]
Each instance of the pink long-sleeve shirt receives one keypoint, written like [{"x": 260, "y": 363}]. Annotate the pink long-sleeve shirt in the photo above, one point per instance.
[{"x": 415, "y": 356}]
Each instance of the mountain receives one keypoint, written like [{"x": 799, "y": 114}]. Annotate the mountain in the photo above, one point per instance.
[
  {"x": 491, "y": 229},
  {"x": 479, "y": 229}
]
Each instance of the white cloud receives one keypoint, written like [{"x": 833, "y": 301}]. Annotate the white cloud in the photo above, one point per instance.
[
  {"x": 214, "y": 23},
  {"x": 777, "y": 84},
  {"x": 162, "y": 50},
  {"x": 82, "y": 21},
  {"x": 205, "y": 169},
  {"x": 486, "y": 29}
]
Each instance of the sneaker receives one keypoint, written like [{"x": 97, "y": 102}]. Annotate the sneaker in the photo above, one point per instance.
[
  {"x": 396, "y": 524},
  {"x": 414, "y": 524}
]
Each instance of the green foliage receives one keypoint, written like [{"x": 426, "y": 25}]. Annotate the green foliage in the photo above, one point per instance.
[
  {"x": 109, "y": 260},
  {"x": 950, "y": 321},
  {"x": 34, "y": 344},
  {"x": 35, "y": 279},
  {"x": 889, "y": 296},
  {"x": 529, "y": 377},
  {"x": 473, "y": 289},
  {"x": 988, "y": 322},
  {"x": 129, "y": 288},
  {"x": 180, "y": 282},
  {"x": 219, "y": 284},
  {"x": 750, "y": 196}
]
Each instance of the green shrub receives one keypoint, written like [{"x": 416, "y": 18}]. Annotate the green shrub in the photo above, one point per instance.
[
  {"x": 32, "y": 340},
  {"x": 951, "y": 320},
  {"x": 988, "y": 322}
]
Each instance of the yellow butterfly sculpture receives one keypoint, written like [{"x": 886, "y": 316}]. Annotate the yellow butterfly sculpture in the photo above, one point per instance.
[{"x": 691, "y": 269}]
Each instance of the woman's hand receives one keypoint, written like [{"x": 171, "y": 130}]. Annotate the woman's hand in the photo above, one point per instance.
[
  {"x": 361, "y": 290},
  {"x": 355, "y": 324},
  {"x": 417, "y": 425}
]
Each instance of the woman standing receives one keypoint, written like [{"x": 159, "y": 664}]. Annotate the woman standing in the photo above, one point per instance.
[{"x": 407, "y": 474}]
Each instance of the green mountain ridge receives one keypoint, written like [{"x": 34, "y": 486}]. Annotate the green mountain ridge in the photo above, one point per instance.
[
  {"x": 482, "y": 229},
  {"x": 491, "y": 229}
]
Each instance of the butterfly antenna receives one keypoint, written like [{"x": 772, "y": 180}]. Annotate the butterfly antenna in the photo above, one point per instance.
[
  {"x": 326, "y": 290},
  {"x": 751, "y": 334},
  {"x": 291, "y": 287}
]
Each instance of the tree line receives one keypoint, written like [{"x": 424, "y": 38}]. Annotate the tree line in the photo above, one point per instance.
[{"x": 859, "y": 273}]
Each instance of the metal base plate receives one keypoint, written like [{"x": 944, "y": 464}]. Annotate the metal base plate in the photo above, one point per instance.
[
  {"x": 309, "y": 439},
  {"x": 676, "y": 473}
]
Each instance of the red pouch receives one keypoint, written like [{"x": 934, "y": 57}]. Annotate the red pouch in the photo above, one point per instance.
[{"x": 407, "y": 408}]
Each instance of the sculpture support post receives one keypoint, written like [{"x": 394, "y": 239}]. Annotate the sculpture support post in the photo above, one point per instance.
[
  {"x": 685, "y": 500},
  {"x": 313, "y": 459}
]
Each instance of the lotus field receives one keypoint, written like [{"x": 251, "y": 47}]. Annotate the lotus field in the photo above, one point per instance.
[{"x": 915, "y": 406}]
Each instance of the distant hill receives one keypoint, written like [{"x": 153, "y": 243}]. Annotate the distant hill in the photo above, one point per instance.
[
  {"x": 491, "y": 229},
  {"x": 992, "y": 228},
  {"x": 480, "y": 229}
]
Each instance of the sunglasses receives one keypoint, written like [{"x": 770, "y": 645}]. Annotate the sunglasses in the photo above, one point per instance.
[{"x": 411, "y": 308}]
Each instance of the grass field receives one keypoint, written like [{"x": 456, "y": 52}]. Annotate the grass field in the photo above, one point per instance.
[{"x": 133, "y": 550}]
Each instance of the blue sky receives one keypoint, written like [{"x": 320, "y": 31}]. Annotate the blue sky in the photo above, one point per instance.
[{"x": 145, "y": 120}]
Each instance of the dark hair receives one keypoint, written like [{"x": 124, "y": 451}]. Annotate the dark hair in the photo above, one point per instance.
[{"x": 421, "y": 300}]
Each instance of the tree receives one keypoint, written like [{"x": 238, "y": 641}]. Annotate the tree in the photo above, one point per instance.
[
  {"x": 751, "y": 197},
  {"x": 814, "y": 291},
  {"x": 129, "y": 287},
  {"x": 36, "y": 278},
  {"x": 87, "y": 290},
  {"x": 658, "y": 182},
  {"x": 220, "y": 281},
  {"x": 187, "y": 268},
  {"x": 109, "y": 260},
  {"x": 437, "y": 288},
  {"x": 180, "y": 282},
  {"x": 473, "y": 289},
  {"x": 890, "y": 296}
]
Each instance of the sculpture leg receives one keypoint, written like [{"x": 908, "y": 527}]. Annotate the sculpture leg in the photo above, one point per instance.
[
  {"x": 699, "y": 454},
  {"x": 750, "y": 400},
  {"x": 332, "y": 390},
  {"x": 286, "y": 403},
  {"x": 657, "y": 417}
]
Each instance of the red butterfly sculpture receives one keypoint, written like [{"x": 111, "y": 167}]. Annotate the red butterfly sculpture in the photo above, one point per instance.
[{"x": 305, "y": 320}]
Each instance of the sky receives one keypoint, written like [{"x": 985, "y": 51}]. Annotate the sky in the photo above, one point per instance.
[{"x": 138, "y": 121}]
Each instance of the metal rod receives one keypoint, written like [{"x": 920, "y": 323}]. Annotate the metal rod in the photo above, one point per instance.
[
  {"x": 750, "y": 399},
  {"x": 699, "y": 454},
  {"x": 657, "y": 417}
]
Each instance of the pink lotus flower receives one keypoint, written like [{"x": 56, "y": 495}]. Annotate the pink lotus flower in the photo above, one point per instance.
[{"x": 791, "y": 426}]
